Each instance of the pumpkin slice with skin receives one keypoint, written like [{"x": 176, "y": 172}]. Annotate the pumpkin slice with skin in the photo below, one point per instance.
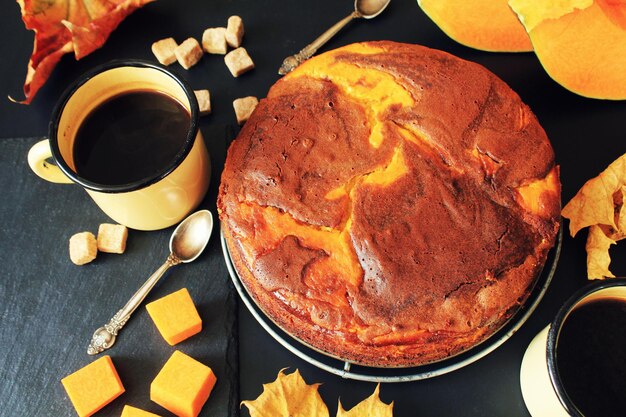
[
  {"x": 489, "y": 25},
  {"x": 580, "y": 43}
]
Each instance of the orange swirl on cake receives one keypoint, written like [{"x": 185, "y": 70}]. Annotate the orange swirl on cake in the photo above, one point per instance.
[{"x": 390, "y": 204}]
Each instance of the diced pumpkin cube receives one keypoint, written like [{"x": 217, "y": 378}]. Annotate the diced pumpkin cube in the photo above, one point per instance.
[
  {"x": 93, "y": 386},
  {"x": 175, "y": 316},
  {"x": 183, "y": 385},
  {"x": 129, "y": 411}
]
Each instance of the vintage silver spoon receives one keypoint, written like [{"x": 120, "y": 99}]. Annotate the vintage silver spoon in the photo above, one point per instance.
[
  {"x": 366, "y": 9},
  {"x": 186, "y": 244}
]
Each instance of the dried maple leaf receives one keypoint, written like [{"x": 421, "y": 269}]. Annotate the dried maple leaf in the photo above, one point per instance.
[
  {"x": 288, "y": 396},
  {"x": 599, "y": 204},
  {"x": 369, "y": 407},
  {"x": 64, "y": 26},
  {"x": 594, "y": 202},
  {"x": 620, "y": 214},
  {"x": 598, "y": 259}
]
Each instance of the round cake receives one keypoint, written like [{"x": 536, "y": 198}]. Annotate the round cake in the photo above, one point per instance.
[{"x": 389, "y": 204}]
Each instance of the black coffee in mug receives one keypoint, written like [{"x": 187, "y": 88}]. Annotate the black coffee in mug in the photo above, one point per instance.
[
  {"x": 130, "y": 137},
  {"x": 591, "y": 357}
]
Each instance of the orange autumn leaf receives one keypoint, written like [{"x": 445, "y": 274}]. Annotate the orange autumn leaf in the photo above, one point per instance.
[
  {"x": 369, "y": 407},
  {"x": 64, "y": 26},
  {"x": 288, "y": 396}
]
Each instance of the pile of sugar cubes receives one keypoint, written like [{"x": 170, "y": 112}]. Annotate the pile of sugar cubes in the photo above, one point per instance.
[
  {"x": 84, "y": 246},
  {"x": 215, "y": 40}
]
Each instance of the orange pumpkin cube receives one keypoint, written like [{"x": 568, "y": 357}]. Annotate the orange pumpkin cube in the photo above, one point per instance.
[
  {"x": 93, "y": 386},
  {"x": 183, "y": 385},
  {"x": 175, "y": 316},
  {"x": 129, "y": 411}
]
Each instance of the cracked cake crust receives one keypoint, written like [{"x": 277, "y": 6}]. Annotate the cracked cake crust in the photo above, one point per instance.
[{"x": 390, "y": 204}]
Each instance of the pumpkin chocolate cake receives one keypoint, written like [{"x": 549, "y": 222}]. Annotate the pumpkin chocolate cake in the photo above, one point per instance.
[{"x": 390, "y": 204}]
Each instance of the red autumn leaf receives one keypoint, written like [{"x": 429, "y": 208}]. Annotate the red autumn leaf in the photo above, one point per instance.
[{"x": 64, "y": 26}]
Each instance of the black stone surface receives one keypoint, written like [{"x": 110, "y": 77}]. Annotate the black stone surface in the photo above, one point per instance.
[
  {"x": 45, "y": 318},
  {"x": 50, "y": 307}
]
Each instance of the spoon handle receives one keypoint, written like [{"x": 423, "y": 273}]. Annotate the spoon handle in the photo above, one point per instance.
[
  {"x": 291, "y": 62},
  {"x": 104, "y": 337},
  {"x": 143, "y": 291}
]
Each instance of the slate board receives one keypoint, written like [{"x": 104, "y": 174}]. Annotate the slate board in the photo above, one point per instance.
[{"x": 50, "y": 307}]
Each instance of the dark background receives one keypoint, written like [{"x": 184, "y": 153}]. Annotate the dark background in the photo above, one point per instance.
[{"x": 38, "y": 301}]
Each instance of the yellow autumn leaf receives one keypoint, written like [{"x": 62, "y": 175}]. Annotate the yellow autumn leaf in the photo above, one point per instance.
[
  {"x": 620, "y": 215},
  {"x": 598, "y": 259},
  {"x": 288, "y": 396},
  {"x": 594, "y": 202},
  {"x": 369, "y": 407}
]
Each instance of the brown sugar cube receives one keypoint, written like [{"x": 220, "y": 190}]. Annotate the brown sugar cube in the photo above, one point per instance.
[
  {"x": 238, "y": 61},
  {"x": 244, "y": 108},
  {"x": 83, "y": 248},
  {"x": 234, "y": 31},
  {"x": 204, "y": 101},
  {"x": 112, "y": 238},
  {"x": 188, "y": 53},
  {"x": 163, "y": 50},
  {"x": 214, "y": 41}
]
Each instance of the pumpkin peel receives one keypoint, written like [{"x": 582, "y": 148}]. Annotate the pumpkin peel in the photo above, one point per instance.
[
  {"x": 488, "y": 25},
  {"x": 613, "y": 11},
  {"x": 65, "y": 26},
  {"x": 566, "y": 35},
  {"x": 531, "y": 13}
]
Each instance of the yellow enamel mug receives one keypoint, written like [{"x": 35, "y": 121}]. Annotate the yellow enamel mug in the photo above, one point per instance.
[
  {"x": 587, "y": 378},
  {"x": 158, "y": 201}
]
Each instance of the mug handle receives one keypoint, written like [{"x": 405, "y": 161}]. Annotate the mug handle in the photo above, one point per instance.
[{"x": 37, "y": 160}]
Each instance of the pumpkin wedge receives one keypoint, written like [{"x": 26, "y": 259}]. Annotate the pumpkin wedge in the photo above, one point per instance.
[
  {"x": 580, "y": 43},
  {"x": 489, "y": 25}
]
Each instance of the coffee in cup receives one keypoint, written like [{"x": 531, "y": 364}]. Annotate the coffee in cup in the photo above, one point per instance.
[
  {"x": 577, "y": 365},
  {"x": 128, "y": 133}
]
